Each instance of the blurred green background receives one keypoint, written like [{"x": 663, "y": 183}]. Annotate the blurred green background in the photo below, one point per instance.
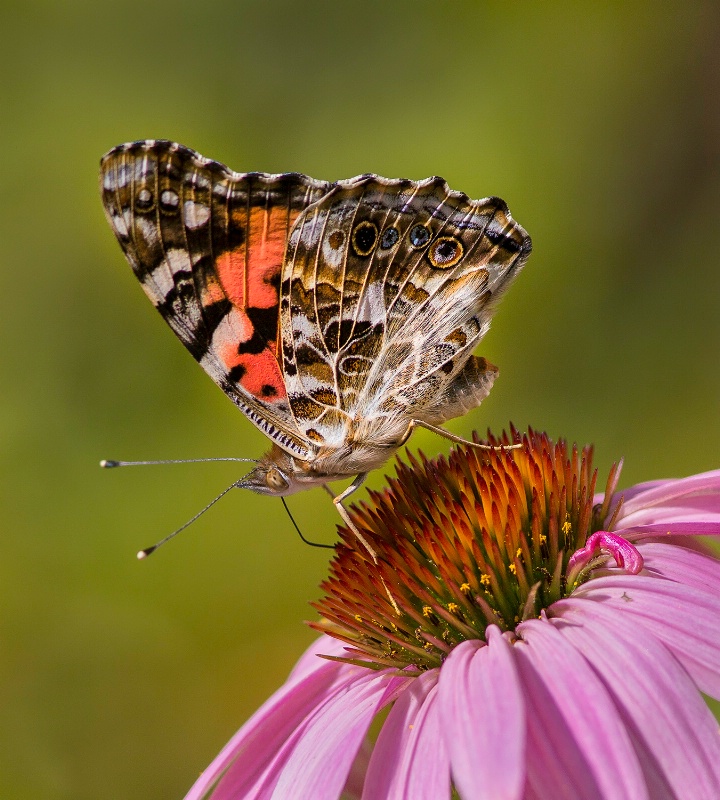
[{"x": 599, "y": 123}]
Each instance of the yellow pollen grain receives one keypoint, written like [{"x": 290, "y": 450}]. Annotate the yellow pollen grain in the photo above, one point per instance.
[
  {"x": 518, "y": 552},
  {"x": 485, "y": 579},
  {"x": 358, "y": 618},
  {"x": 465, "y": 588},
  {"x": 566, "y": 526},
  {"x": 453, "y": 608},
  {"x": 543, "y": 538},
  {"x": 427, "y": 611},
  {"x": 513, "y": 569}
]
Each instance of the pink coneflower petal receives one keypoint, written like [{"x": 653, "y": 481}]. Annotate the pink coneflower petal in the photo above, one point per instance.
[
  {"x": 483, "y": 716},
  {"x": 356, "y": 778},
  {"x": 681, "y": 500},
  {"x": 410, "y": 759},
  {"x": 245, "y": 760},
  {"x": 309, "y": 661},
  {"x": 322, "y": 755},
  {"x": 663, "y": 609},
  {"x": 677, "y": 738},
  {"x": 681, "y": 565},
  {"x": 668, "y": 530},
  {"x": 252, "y": 761},
  {"x": 587, "y": 711}
]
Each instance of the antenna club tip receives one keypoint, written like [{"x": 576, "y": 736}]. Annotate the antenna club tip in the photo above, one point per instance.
[
  {"x": 143, "y": 554},
  {"x": 107, "y": 463}
]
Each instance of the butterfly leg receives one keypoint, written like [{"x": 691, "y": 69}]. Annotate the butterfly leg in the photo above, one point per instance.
[
  {"x": 418, "y": 423},
  {"x": 359, "y": 480}
]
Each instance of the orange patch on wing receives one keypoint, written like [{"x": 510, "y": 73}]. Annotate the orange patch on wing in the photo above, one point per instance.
[
  {"x": 212, "y": 293},
  {"x": 262, "y": 377},
  {"x": 266, "y": 239},
  {"x": 250, "y": 273},
  {"x": 231, "y": 271}
]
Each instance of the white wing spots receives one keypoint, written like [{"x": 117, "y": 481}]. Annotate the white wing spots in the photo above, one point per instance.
[
  {"x": 232, "y": 329},
  {"x": 147, "y": 227},
  {"x": 118, "y": 178},
  {"x": 161, "y": 281},
  {"x": 119, "y": 223},
  {"x": 200, "y": 181},
  {"x": 169, "y": 200},
  {"x": 303, "y": 329},
  {"x": 195, "y": 214},
  {"x": 333, "y": 249},
  {"x": 178, "y": 260},
  {"x": 372, "y": 305}
]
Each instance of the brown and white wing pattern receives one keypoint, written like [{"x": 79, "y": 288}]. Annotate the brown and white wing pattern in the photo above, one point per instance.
[
  {"x": 207, "y": 245},
  {"x": 388, "y": 286}
]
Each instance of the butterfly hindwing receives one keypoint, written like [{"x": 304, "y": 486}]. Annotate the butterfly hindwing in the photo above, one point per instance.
[
  {"x": 388, "y": 286},
  {"x": 207, "y": 245}
]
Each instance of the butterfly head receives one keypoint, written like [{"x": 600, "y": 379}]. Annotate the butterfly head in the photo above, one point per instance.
[{"x": 280, "y": 474}]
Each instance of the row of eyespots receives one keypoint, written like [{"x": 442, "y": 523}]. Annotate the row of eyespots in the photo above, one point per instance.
[
  {"x": 445, "y": 253},
  {"x": 145, "y": 201}
]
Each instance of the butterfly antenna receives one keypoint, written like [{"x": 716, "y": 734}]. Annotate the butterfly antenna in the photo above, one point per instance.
[
  {"x": 148, "y": 550},
  {"x": 107, "y": 463},
  {"x": 307, "y": 541}
]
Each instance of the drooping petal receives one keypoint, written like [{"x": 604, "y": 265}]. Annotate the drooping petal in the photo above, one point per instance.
[
  {"x": 670, "y": 530},
  {"x": 483, "y": 718},
  {"x": 674, "y": 733},
  {"x": 684, "y": 618},
  {"x": 312, "y": 660},
  {"x": 358, "y": 771},
  {"x": 681, "y": 500},
  {"x": 682, "y": 565},
  {"x": 556, "y": 767},
  {"x": 321, "y": 756},
  {"x": 590, "y": 716},
  {"x": 410, "y": 759},
  {"x": 244, "y": 758},
  {"x": 252, "y": 762}
]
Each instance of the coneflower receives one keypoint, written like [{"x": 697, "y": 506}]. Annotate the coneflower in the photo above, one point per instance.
[{"x": 531, "y": 638}]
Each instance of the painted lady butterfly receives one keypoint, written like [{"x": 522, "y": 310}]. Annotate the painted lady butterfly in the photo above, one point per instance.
[{"x": 336, "y": 316}]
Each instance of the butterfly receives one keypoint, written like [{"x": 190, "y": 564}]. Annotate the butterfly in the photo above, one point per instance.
[{"x": 337, "y": 316}]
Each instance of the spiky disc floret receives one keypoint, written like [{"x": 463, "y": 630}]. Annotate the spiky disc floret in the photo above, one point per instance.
[{"x": 479, "y": 538}]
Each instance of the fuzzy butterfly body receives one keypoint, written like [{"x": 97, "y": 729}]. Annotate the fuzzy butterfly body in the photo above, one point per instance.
[{"x": 337, "y": 316}]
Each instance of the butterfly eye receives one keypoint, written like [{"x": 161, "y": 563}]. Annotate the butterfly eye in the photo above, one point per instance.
[
  {"x": 275, "y": 480},
  {"x": 389, "y": 238},
  {"x": 144, "y": 201},
  {"x": 169, "y": 201},
  {"x": 364, "y": 238},
  {"x": 419, "y": 236},
  {"x": 445, "y": 253}
]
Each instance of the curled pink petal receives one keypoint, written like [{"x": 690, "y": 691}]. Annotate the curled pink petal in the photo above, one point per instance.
[{"x": 625, "y": 554}]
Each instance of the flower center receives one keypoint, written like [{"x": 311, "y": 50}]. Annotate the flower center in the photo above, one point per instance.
[{"x": 482, "y": 537}]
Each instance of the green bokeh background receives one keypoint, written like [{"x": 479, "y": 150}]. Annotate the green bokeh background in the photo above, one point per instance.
[{"x": 599, "y": 123}]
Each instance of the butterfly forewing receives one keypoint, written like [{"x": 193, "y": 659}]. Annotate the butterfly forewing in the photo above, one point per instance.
[{"x": 207, "y": 245}]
